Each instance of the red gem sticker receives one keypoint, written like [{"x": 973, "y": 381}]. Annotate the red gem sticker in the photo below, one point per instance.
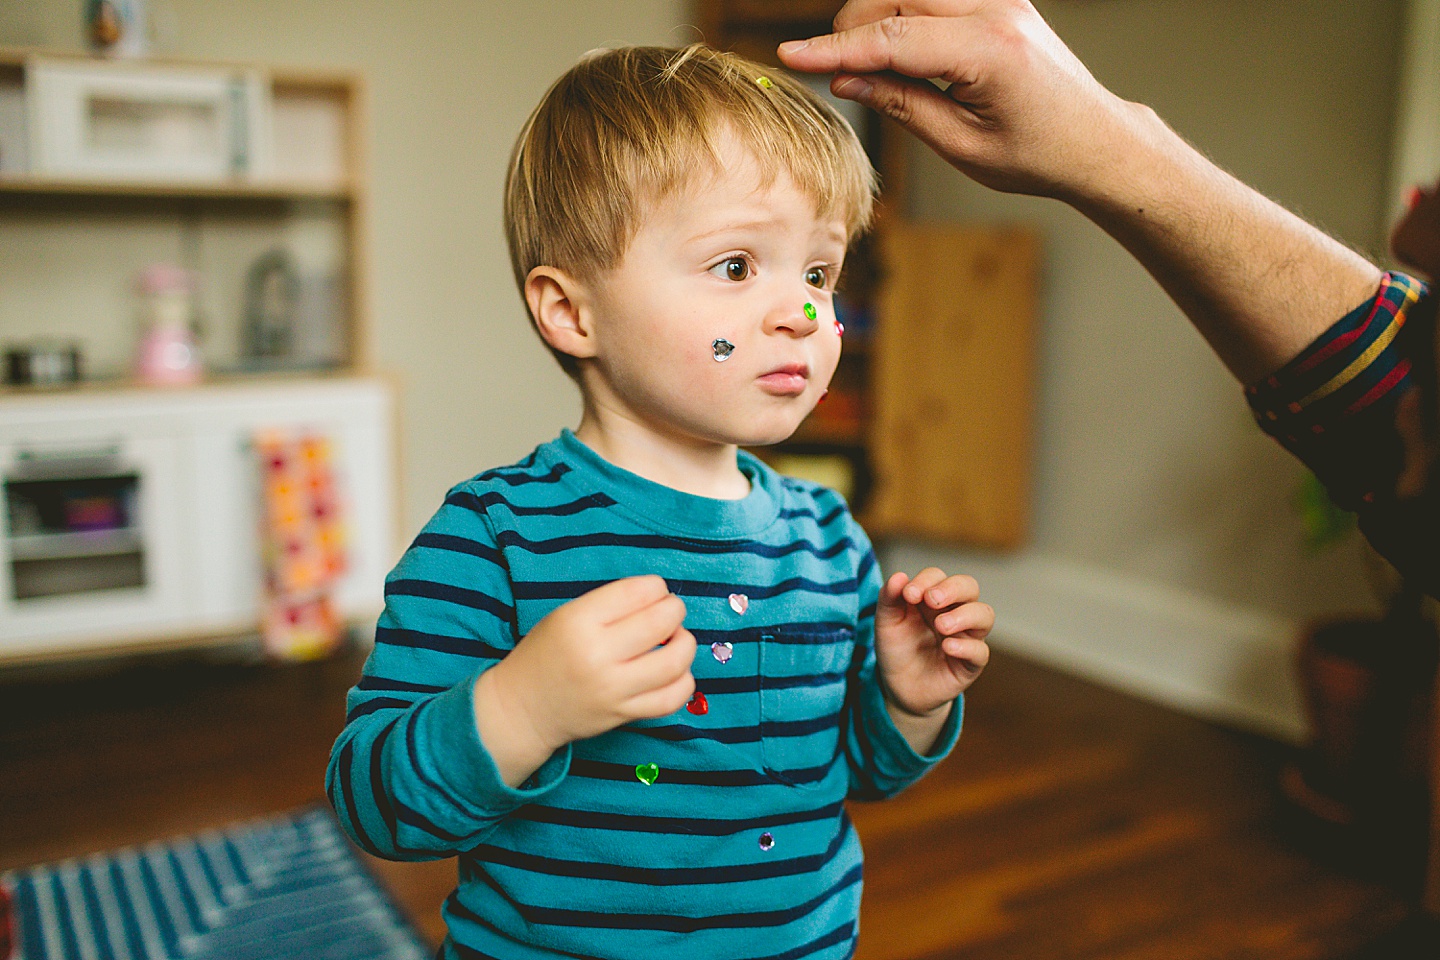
[{"x": 698, "y": 705}]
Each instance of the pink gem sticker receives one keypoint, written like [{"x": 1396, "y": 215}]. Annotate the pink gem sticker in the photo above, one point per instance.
[
  {"x": 722, "y": 650},
  {"x": 739, "y": 603}
]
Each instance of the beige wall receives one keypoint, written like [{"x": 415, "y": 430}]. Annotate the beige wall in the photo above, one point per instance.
[
  {"x": 451, "y": 82},
  {"x": 1148, "y": 464}
]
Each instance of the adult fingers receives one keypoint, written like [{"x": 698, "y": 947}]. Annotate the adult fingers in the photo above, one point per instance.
[
  {"x": 947, "y": 127},
  {"x": 920, "y": 47},
  {"x": 857, "y": 13},
  {"x": 619, "y": 598}
]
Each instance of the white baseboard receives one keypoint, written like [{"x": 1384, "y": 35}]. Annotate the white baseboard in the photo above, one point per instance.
[{"x": 1186, "y": 651}]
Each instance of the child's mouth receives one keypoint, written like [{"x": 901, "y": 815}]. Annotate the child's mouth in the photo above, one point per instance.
[{"x": 787, "y": 381}]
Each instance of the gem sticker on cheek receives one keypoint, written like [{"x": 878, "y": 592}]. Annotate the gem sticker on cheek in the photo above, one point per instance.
[
  {"x": 722, "y": 349},
  {"x": 810, "y": 311},
  {"x": 839, "y": 329}
]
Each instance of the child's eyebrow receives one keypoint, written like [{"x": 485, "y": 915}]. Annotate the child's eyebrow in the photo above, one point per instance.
[
  {"x": 743, "y": 226},
  {"x": 759, "y": 224}
]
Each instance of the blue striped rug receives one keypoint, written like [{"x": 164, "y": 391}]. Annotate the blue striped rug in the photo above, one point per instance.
[{"x": 289, "y": 887}]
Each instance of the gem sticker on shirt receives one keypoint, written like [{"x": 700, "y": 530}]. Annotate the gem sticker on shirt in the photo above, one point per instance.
[
  {"x": 739, "y": 603},
  {"x": 722, "y": 650},
  {"x": 722, "y": 349},
  {"x": 698, "y": 705},
  {"x": 647, "y": 773},
  {"x": 767, "y": 842}
]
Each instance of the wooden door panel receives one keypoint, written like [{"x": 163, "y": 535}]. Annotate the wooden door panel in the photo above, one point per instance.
[{"x": 954, "y": 383}]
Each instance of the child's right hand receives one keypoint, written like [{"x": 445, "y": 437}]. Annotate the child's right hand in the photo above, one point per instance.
[{"x": 615, "y": 654}]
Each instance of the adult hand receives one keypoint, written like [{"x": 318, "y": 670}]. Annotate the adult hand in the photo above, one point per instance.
[{"x": 1020, "y": 113}]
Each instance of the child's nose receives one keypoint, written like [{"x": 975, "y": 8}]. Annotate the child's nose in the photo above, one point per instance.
[{"x": 796, "y": 318}]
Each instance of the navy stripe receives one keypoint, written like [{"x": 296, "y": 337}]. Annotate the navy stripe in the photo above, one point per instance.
[
  {"x": 819, "y": 632},
  {"x": 867, "y": 563},
  {"x": 95, "y": 915},
  {"x": 208, "y": 869},
  {"x": 569, "y": 589},
  {"x": 664, "y": 876},
  {"x": 804, "y": 514},
  {"x": 377, "y": 778},
  {"x": 846, "y": 931},
  {"x": 187, "y": 896},
  {"x": 376, "y": 705},
  {"x": 474, "y": 548},
  {"x": 642, "y": 921},
  {"x": 687, "y": 826},
  {"x": 509, "y": 538},
  {"x": 711, "y": 686},
  {"x": 236, "y": 862},
  {"x": 481, "y": 503},
  {"x": 520, "y": 479},
  {"x": 347, "y": 791},
  {"x": 66, "y": 912},
  {"x": 169, "y": 935},
  {"x": 398, "y": 686},
  {"x": 133, "y": 938},
  {"x": 461, "y": 646},
  {"x": 602, "y": 770},
  {"x": 749, "y": 733},
  {"x": 414, "y": 818},
  {"x": 430, "y": 590}
]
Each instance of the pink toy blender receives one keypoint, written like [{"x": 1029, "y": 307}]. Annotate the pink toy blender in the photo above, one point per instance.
[{"x": 168, "y": 353}]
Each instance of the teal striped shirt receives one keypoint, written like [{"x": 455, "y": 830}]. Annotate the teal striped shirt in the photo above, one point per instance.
[{"x": 741, "y": 848}]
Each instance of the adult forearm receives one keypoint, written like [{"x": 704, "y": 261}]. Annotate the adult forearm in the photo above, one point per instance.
[{"x": 1258, "y": 282}]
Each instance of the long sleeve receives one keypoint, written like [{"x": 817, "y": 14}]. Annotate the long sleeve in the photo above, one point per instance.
[
  {"x": 1337, "y": 406},
  {"x": 409, "y": 777},
  {"x": 881, "y": 760}
]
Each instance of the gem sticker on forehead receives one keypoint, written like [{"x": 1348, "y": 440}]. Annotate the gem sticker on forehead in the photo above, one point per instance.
[
  {"x": 765, "y": 83},
  {"x": 810, "y": 312},
  {"x": 722, "y": 349}
]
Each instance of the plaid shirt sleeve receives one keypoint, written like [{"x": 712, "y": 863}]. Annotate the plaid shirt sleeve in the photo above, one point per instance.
[{"x": 1334, "y": 405}]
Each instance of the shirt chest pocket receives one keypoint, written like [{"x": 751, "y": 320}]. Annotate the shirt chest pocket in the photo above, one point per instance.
[{"x": 802, "y": 698}]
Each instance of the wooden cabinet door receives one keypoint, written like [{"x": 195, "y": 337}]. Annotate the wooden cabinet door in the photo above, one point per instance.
[{"x": 953, "y": 383}]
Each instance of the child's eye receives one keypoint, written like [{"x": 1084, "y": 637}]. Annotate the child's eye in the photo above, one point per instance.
[
  {"x": 817, "y": 277},
  {"x": 735, "y": 268}
]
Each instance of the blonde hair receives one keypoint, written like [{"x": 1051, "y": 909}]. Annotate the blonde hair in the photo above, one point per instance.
[{"x": 627, "y": 127}]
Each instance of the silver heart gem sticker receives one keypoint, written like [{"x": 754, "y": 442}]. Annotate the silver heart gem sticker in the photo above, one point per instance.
[{"x": 722, "y": 349}]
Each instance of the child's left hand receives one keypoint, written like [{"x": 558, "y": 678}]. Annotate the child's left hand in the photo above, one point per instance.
[{"x": 930, "y": 639}]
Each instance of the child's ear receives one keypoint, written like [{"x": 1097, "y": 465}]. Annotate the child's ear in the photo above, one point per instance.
[{"x": 559, "y": 305}]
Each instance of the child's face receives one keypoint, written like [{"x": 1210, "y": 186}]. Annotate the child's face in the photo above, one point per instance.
[{"x": 726, "y": 259}]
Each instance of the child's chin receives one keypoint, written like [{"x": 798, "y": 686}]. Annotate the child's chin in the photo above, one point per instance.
[{"x": 767, "y": 438}]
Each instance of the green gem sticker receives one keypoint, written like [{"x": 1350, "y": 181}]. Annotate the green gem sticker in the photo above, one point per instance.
[
  {"x": 810, "y": 311},
  {"x": 765, "y": 83},
  {"x": 647, "y": 773}
]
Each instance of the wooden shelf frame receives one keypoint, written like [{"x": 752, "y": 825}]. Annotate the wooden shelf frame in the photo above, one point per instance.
[{"x": 346, "y": 87}]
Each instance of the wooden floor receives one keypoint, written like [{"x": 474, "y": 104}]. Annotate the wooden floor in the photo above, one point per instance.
[{"x": 1072, "y": 822}]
